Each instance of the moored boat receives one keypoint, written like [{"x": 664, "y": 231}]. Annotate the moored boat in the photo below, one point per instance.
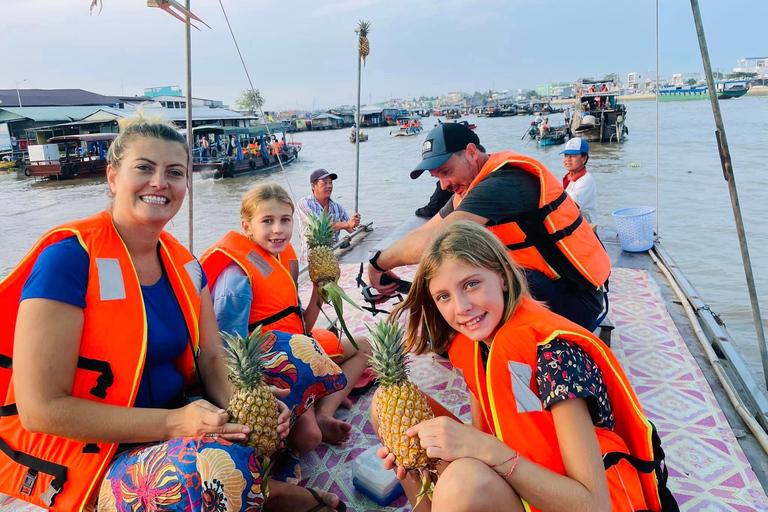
[
  {"x": 731, "y": 89},
  {"x": 69, "y": 156},
  {"x": 599, "y": 117}
]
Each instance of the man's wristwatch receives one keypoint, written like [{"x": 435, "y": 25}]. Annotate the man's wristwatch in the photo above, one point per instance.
[{"x": 373, "y": 262}]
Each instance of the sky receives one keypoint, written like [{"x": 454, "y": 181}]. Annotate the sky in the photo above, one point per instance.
[{"x": 302, "y": 53}]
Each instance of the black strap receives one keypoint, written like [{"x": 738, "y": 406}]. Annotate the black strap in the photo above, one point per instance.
[
  {"x": 277, "y": 316},
  {"x": 103, "y": 381},
  {"x": 549, "y": 238},
  {"x": 91, "y": 448},
  {"x": 6, "y": 362},
  {"x": 535, "y": 215},
  {"x": 8, "y": 410},
  {"x": 57, "y": 471},
  {"x": 610, "y": 459}
]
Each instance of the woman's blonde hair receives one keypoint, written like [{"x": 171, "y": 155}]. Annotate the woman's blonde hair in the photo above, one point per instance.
[
  {"x": 473, "y": 244},
  {"x": 259, "y": 194},
  {"x": 142, "y": 125}
]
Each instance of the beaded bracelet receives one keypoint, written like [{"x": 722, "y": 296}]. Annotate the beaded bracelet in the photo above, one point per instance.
[{"x": 516, "y": 457}]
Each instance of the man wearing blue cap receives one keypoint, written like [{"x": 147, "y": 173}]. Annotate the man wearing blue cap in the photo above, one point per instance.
[
  {"x": 525, "y": 206},
  {"x": 578, "y": 182}
]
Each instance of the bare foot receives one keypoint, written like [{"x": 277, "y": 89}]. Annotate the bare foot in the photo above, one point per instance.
[
  {"x": 334, "y": 431},
  {"x": 346, "y": 403}
]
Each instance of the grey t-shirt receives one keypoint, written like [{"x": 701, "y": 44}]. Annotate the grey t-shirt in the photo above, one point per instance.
[{"x": 502, "y": 194}]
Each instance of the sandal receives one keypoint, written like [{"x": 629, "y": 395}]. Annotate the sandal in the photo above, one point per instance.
[{"x": 341, "y": 507}]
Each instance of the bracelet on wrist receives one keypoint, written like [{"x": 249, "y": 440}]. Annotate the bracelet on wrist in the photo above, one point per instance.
[
  {"x": 374, "y": 262},
  {"x": 506, "y": 475}
]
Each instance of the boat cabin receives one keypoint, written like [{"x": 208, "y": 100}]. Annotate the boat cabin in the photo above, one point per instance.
[{"x": 70, "y": 156}]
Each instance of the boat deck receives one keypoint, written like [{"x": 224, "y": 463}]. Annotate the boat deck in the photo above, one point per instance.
[{"x": 714, "y": 462}]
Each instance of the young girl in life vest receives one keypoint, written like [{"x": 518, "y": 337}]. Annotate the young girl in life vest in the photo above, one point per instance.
[
  {"x": 548, "y": 399},
  {"x": 253, "y": 275}
]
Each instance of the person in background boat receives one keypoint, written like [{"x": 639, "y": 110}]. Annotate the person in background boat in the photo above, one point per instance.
[
  {"x": 353, "y": 133},
  {"x": 548, "y": 432},
  {"x": 436, "y": 202},
  {"x": 268, "y": 290},
  {"x": 321, "y": 182},
  {"x": 578, "y": 182},
  {"x": 592, "y": 88},
  {"x": 512, "y": 195},
  {"x": 567, "y": 115},
  {"x": 116, "y": 302},
  {"x": 205, "y": 147},
  {"x": 544, "y": 127},
  {"x": 604, "y": 88},
  {"x": 538, "y": 119}
]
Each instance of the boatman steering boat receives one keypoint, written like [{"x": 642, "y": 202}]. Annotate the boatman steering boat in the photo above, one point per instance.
[{"x": 519, "y": 200}]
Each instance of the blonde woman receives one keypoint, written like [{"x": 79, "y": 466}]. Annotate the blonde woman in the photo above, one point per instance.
[
  {"x": 549, "y": 400},
  {"x": 110, "y": 327}
]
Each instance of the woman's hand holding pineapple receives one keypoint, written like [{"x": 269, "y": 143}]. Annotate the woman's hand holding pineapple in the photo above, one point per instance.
[{"x": 202, "y": 417}]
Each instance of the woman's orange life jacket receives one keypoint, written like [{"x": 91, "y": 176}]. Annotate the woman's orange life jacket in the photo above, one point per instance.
[
  {"x": 560, "y": 244},
  {"x": 507, "y": 391},
  {"x": 275, "y": 304},
  {"x": 59, "y": 473}
]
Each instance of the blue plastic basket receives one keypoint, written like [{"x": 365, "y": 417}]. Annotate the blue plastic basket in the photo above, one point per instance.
[{"x": 635, "y": 227}]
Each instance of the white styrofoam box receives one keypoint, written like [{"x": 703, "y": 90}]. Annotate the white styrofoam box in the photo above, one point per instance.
[{"x": 41, "y": 152}]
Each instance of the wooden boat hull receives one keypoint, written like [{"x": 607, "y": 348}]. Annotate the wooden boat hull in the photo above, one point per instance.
[
  {"x": 552, "y": 140},
  {"x": 230, "y": 168},
  {"x": 66, "y": 170},
  {"x": 728, "y": 94}
]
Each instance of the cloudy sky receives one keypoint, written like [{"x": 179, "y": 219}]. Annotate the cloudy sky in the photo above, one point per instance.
[{"x": 302, "y": 52}]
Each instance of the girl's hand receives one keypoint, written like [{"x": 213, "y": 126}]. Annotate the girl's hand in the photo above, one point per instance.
[
  {"x": 283, "y": 420},
  {"x": 388, "y": 462},
  {"x": 202, "y": 417},
  {"x": 447, "y": 439}
]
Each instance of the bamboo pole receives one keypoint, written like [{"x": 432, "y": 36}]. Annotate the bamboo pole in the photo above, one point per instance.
[
  {"x": 728, "y": 175},
  {"x": 190, "y": 131},
  {"x": 357, "y": 132}
]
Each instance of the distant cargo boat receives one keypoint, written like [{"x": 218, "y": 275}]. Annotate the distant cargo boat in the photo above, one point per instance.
[
  {"x": 599, "y": 117},
  {"x": 731, "y": 89},
  {"x": 69, "y": 156},
  {"x": 725, "y": 90}
]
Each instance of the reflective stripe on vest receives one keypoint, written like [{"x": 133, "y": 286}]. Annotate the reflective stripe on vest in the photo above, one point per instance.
[
  {"x": 512, "y": 410},
  {"x": 552, "y": 239},
  {"x": 275, "y": 305},
  {"x": 110, "y": 361}
]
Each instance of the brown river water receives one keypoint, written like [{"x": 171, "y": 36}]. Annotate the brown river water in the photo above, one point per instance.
[{"x": 695, "y": 218}]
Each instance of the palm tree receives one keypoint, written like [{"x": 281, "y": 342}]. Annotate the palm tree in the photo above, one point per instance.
[{"x": 250, "y": 100}]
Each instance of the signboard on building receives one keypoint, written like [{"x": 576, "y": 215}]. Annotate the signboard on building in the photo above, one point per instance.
[{"x": 5, "y": 138}]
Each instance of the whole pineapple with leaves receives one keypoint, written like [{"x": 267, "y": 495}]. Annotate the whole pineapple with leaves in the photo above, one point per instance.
[
  {"x": 253, "y": 403},
  {"x": 363, "y": 27},
  {"x": 399, "y": 402},
  {"x": 324, "y": 267}
]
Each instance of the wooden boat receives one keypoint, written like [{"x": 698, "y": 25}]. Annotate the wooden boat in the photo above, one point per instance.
[
  {"x": 452, "y": 113},
  {"x": 599, "y": 117},
  {"x": 731, "y": 89},
  {"x": 363, "y": 138},
  {"x": 69, "y": 156},
  {"x": 408, "y": 126},
  {"x": 223, "y": 160},
  {"x": 554, "y": 136}
]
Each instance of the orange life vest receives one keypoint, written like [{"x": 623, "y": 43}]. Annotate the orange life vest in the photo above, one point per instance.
[
  {"x": 267, "y": 274},
  {"x": 560, "y": 244},
  {"x": 507, "y": 391},
  {"x": 59, "y": 473}
]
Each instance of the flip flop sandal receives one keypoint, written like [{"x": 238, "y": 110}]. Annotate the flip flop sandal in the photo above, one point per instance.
[
  {"x": 341, "y": 507},
  {"x": 365, "y": 382}
]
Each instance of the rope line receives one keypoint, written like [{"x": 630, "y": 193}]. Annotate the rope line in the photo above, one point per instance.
[{"x": 253, "y": 91}]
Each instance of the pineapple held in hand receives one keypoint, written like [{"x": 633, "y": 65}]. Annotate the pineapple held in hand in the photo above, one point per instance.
[
  {"x": 252, "y": 404},
  {"x": 324, "y": 267},
  {"x": 400, "y": 403}
]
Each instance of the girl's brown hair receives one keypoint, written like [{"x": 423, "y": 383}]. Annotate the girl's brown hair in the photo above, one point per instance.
[
  {"x": 259, "y": 194},
  {"x": 473, "y": 244}
]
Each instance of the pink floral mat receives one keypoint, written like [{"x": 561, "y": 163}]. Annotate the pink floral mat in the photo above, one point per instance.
[{"x": 708, "y": 469}]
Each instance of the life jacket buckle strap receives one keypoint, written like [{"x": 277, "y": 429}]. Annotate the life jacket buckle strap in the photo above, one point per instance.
[
  {"x": 104, "y": 380},
  {"x": 49, "y": 496},
  {"x": 6, "y": 362}
]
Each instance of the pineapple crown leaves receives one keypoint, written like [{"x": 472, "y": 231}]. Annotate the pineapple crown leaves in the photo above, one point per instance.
[
  {"x": 363, "y": 27},
  {"x": 333, "y": 293},
  {"x": 244, "y": 358},
  {"x": 388, "y": 355},
  {"x": 319, "y": 229}
]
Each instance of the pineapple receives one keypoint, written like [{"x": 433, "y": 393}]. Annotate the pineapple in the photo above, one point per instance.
[
  {"x": 324, "y": 267},
  {"x": 400, "y": 403},
  {"x": 252, "y": 403},
  {"x": 362, "y": 33}
]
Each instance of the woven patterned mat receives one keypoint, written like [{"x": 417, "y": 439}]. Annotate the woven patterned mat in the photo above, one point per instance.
[{"x": 708, "y": 469}]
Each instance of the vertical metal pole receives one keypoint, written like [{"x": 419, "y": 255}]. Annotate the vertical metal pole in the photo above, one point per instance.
[
  {"x": 657, "y": 120},
  {"x": 18, "y": 94},
  {"x": 357, "y": 133},
  {"x": 190, "y": 131},
  {"x": 725, "y": 162}
]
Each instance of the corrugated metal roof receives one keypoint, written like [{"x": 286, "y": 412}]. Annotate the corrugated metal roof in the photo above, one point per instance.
[
  {"x": 46, "y": 114},
  {"x": 54, "y": 98},
  {"x": 328, "y": 116},
  {"x": 170, "y": 114}
]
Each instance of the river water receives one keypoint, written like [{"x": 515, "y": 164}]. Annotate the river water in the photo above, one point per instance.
[{"x": 695, "y": 217}]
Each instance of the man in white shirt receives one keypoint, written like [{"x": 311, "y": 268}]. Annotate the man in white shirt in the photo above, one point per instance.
[{"x": 578, "y": 182}]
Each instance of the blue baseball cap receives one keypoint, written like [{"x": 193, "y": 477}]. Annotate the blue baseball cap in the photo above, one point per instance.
[
  {"x": 442, "y": 141},
  {"x": 575, "y": 146}
]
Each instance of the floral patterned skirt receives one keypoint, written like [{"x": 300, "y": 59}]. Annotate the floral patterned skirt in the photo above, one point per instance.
[{"x": 184, "y": 475}]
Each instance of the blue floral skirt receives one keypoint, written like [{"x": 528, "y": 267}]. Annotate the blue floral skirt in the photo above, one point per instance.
[{"x": 184, "y": 475}]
